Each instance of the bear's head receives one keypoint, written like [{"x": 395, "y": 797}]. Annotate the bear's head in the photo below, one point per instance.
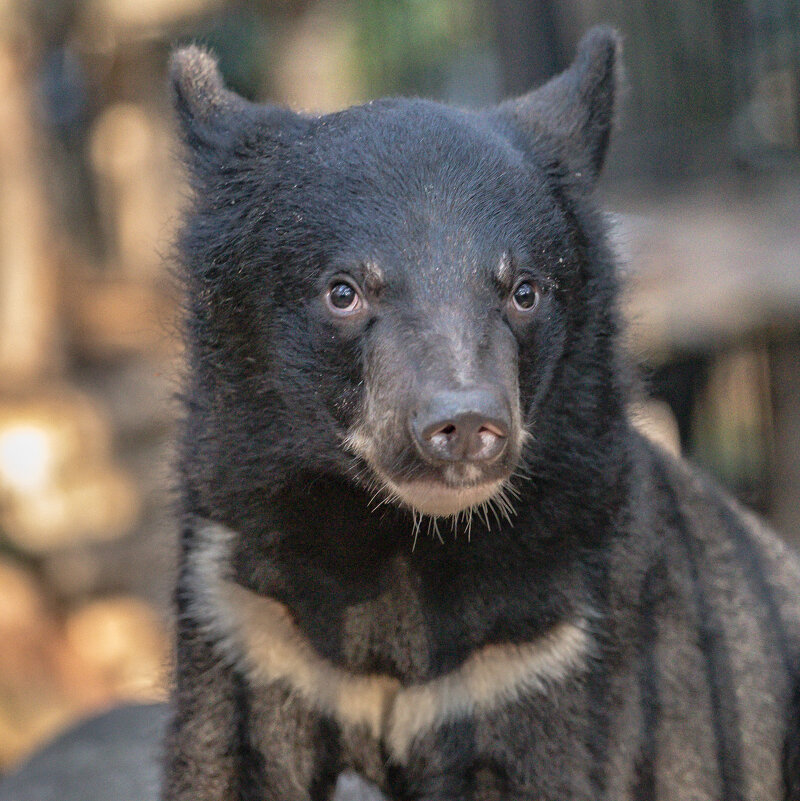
[{"x": 412, "y": 298}]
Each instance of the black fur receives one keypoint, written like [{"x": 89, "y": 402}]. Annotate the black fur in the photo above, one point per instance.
[
  {"x": 791, "y": 753},
  {"x": 721, "y": 693},
  {"x": 299, "y": 443},
  {"x": 644, "y": 787}
]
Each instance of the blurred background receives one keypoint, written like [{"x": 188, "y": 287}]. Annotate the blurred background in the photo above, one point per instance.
[{"x": 703, "y": 186}]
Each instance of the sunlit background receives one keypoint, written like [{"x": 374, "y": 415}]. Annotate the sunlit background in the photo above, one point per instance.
[{"x": 702, "y": 185}]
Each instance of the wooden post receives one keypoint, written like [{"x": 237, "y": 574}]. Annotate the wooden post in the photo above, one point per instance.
[{"x": 29, "y": 245}]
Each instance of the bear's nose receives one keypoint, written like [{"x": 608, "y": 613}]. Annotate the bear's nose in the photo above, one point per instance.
[{"x": 469, "y": 425}]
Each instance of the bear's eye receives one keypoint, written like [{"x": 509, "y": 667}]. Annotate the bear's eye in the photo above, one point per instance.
[
  {"x": 525, "y": 297},
  {"x": 343, "y": 298}
]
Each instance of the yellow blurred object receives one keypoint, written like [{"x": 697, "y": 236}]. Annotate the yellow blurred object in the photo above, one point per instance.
[
  {"x": 115, "y": 318},
  {"x": 124, "y": 641},
  {"x": 21, "y": 604},
  {"x": 45, "y": 685},
  {"x": 58, "y": 484},
  {"x": 25, "y": 458},
  {"x": 42, "y": 436},
  {"x": 30, "y": 243},
  {"x": 89, "y": 504},
  {"x": 130, "y": 153}
]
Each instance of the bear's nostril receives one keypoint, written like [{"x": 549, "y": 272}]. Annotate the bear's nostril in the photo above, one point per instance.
[
  {"x": 446, "y": 430},
  {"x": 490, "y": 429},
  {"x": 488, "y": 444}
]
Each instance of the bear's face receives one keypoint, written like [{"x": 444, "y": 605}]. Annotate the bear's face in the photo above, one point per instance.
[
  {"x": 387, "y": 290},
  {"x": 427, "y": 297}
]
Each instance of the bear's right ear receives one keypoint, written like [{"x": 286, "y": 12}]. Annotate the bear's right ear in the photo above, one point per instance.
[
  {"x": 209, "y": 113},
  {"x": 204, "y": 106}
]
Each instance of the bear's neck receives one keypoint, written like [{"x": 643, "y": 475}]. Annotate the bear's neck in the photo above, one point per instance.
[{"x": 327, "y": 555}]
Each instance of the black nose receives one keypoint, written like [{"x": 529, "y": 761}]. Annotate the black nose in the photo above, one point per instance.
[{"x": 463, "y": 425}]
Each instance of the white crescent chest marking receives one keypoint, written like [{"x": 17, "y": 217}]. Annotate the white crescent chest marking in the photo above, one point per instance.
[{"x": 259, "y": 634}]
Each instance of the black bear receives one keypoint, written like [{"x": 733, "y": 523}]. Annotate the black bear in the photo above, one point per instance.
[{"x": 423, "y": 548}]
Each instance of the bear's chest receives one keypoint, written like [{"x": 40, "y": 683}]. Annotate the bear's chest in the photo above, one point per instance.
[
  {"x": 371, "y": 618},
  {"x": 388, "y": 633},
  {"x": 395, "y": 732}
]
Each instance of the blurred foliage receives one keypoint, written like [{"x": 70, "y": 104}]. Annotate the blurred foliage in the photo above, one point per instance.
[{"x": 407, "y": 46}]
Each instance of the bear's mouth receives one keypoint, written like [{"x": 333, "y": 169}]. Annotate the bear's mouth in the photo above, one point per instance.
[
  {"x": 443, "y": 491},
  {"x": 439, "y": 499}
]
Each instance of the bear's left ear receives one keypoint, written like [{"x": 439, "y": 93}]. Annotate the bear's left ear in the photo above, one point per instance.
[
  {"x": 571, "y": 116},
  {"x": 204, "y": 106}
]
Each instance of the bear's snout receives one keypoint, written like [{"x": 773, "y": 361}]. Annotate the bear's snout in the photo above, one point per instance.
[{"x": 465, "y": 425}]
